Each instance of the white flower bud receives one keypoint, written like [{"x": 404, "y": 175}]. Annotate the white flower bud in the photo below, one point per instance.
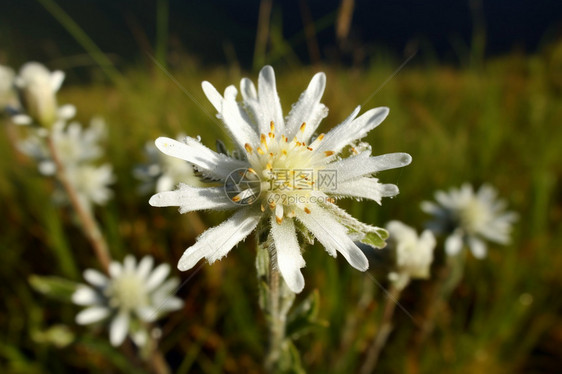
[{"x": 37, "y": 87}]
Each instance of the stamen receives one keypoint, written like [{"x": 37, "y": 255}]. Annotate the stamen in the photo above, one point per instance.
[
  {"x": 328, "y": 153},
  {"x": 303, "y": 126},
  {"x": 236, "y": 198},
  {"x": 263, "y": 139},
  {"x": 252, "y": 171},
  {"x": 320, "y": 137},
  {"x": 272, "y": 126},
  {"x": 306, "y": 210},
  {"x": 284, "y": 152},
  {"x": 262, "y": 208},
  {"x": 248, "y": 148},
  {"x": 279, "y": 213},
  {"x": 310, "y": 149},
  {"x": 260, "y": 151},
  {"x": 271, "y": 135}
]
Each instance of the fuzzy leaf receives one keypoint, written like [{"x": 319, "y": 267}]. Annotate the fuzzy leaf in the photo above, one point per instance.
[
  {"x": 376, "y": 238},
  {"x": 54, "y": 287}
]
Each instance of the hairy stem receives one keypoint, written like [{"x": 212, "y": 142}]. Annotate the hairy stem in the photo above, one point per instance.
[
  {"x": 89, "y": 225},
  {"x": 277, "y": 319}
]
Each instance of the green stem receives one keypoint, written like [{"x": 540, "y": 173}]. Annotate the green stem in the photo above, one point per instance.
[
  {"x": 89, "y": 224},
  {"x": 277, "y": 319}
]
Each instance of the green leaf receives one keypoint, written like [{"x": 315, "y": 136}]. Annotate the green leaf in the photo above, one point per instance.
[
  {"x": 53, "y": 287},
  {"x": 376, "y": 238},
  {"x": 304, "y": 317}
]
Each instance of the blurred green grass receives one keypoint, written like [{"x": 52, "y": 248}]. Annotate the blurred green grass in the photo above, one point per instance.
[{"x": 499, "y": 124}]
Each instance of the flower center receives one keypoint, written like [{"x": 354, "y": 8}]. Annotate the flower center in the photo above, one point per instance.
[
  {"x": 127, "y": 292},
  {"x": 287, "y": 171},
  {"x": 473, "y": 215}
]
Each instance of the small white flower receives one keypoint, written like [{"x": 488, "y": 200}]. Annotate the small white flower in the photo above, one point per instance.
[
  {"x": 78, "y": 149},
  {"x": 469, "y": 218},
  {"x": 414, "y": 254},
  {"x": 282, "y": 175},
  {"x": 38, "y": 87},
  {"x": 162, "y": 172},
  {"x": 133, "y": 295},
  {"x": 7, "y": 93}
]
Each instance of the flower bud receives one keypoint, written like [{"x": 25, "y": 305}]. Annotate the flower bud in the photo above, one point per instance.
[{"x": 37, "y": 88}]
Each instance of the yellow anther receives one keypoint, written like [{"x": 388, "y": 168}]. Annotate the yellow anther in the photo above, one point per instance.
[
  {"x": 260, "y": 151},
  {"x": 279, "y": 220},
  {"x": 329, "y": 153},
  {"x": 303, "y": 126},
  {"x": 248, "y": 147},
  {"x": 272, "y": 126},
  {"x": 306, "y": 210},
  {"x": 310, "y": 149}
]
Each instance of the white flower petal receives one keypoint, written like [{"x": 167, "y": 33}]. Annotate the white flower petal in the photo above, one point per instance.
[
  {"x": 129, "y": 264},
  {"x": 66, "y": 111},
  {"x": 157, "y": 277},
  {"x": 57, "y": 77},
  {"x": 217, "y": 241},
  {"x": 237, "y": 121},
  {"x": 308, "y": 109},
  {"x": 212, "y": 95},
  {"x": 115, "y": 269},
  {"x": 118, "y": 328},
  {"x": 289, "y": 257},
  {"x": 170, "y": 304},
  {"x": 212, "y": 164},
  {"x": 145, "y": 266},
  {"x": 477, "y": 247},
  {"x": 352, "y": 130},
  {"x": 252, "y": 105},
  {"x": 91, "y": 315},
  {"x": 147, "y": 313},
  {"x": 95, "y": 278},
  {"x": 22, "y": 119},
  {"x": 368, "y": 188},
  {"x": 85, "y": 296},
  {"x": 333, "y": 236},
  {"x": 354, "y": 167},
  {"x": 270, "y": 104},
  {"x": 453, "y": 244},
  {"x": 190, "y": 199}
]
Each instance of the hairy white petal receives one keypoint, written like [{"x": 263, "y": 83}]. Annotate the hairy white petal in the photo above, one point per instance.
[
  {"x": 193, "y": 198},
  {"x": 368, "y": 188},
  {"x": 308, "y": 109},
  {"x": 217, "y": 241},
  {"x": 333, "y": 236},
  {"x": 289, "y": 257},
  {"x": 352, "y": 130},
  {"x": 270, "y": 105},
  {"x": 212, "y": 164},
  {"x": 358, "y": 166},
  {"x": 212, "y": 95}
]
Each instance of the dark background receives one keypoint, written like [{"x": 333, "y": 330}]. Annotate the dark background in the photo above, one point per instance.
[{"x": 218, "y": 30}]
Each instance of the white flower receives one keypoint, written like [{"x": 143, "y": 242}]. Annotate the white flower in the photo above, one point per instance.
[
  {"x": 7, "y": 93},
  {"x": 283, "y": 175},
  {"x": 163, "y": 172},
  {"x": 131, "y": 296},
  {"x": 38, "y": 87},
  {"x": 77, "y": 149},
  {"x": 470, "y": 218},
  {"x": 414, "y": 253}
]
